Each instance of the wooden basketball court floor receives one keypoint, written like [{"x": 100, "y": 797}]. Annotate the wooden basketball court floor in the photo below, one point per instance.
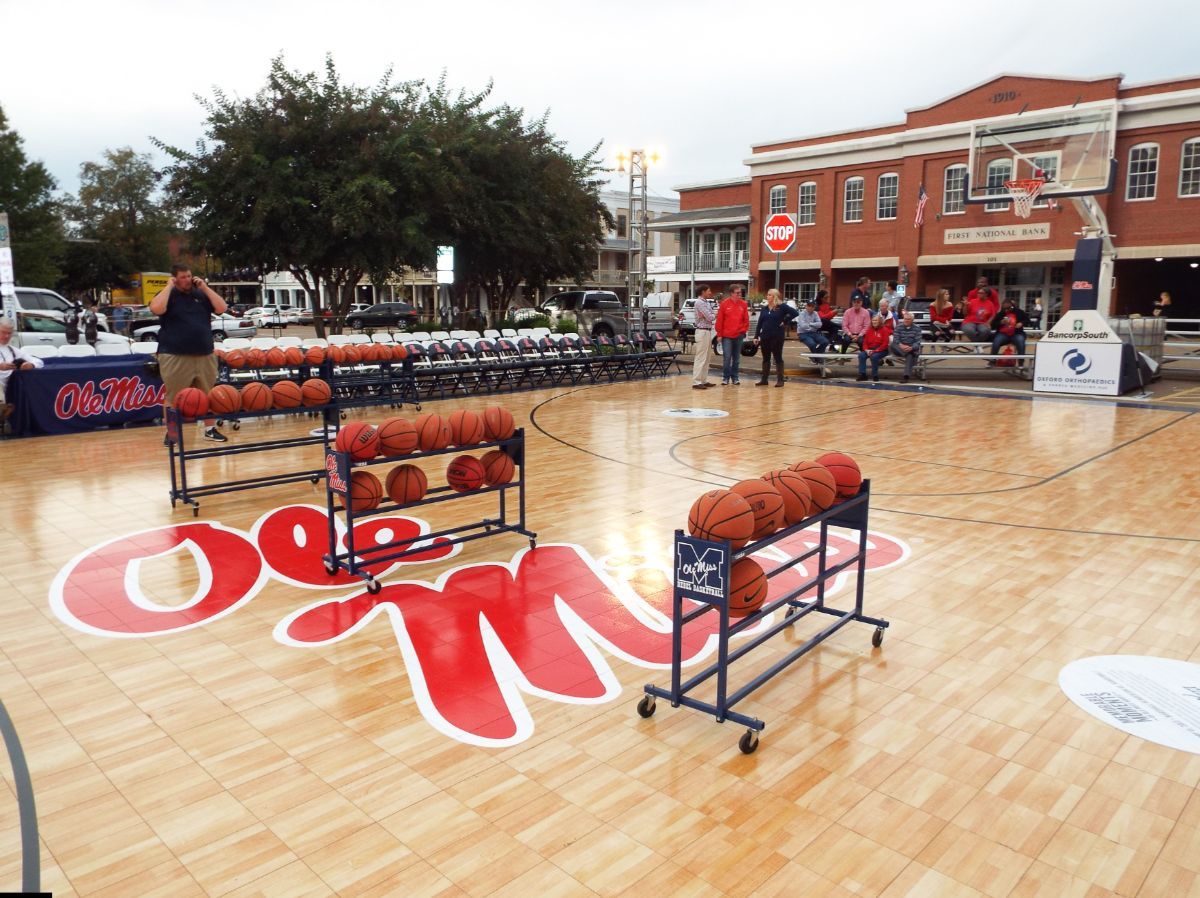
[{"x": 293, "y": 746}]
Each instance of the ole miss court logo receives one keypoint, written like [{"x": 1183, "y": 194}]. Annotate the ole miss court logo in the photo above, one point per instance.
[
  {"x": 476, "y": 640},
  {"x": 115, "y": 394}
]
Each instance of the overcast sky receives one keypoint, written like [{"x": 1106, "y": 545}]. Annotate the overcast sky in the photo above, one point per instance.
[{"x": 704, "y": 80}]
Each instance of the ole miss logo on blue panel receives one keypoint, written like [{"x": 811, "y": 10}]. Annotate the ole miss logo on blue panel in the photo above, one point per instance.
[{"x": 700, "y": 567}]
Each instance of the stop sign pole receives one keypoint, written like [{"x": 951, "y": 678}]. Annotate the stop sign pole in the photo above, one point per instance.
[{"x": 779, "y": 234}]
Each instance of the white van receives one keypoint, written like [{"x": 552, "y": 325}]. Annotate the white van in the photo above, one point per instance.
[{"x": 47, "y": 302}]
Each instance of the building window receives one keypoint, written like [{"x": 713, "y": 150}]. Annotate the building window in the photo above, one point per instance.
[
  {"x": 741, "y": 248},
  {"x": 852, "y": 207},
  {"x": 1189, "y": 168},
  {"x": 778, "y": 199},
  {"x": 798, "y": 294},
  {"x": 622, "y": 224},
  {"x": 724, "y": 242},
  {"x": 807, "y": 212},
  {"x": 1048, "y": 165},
  {"x": 1143, "y": 172},
  {"x": 953, "y": 200},
  {"x": 887, "y": 197},
  {"x": 708, "y": 254},
  {"x": 998, "y": 171}
]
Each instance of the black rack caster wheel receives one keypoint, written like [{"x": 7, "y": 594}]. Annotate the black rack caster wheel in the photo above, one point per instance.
[
  {"x": 330, "y": 569},
  {"x": 647, "y": 706},
  {"x": 749, "y": 742},
  {"x": 314, "y": 480},
  {"x": 373, "y": 587},
  {"x": 533, "y": 544},
  {"x": 343, "y": 416},
  {"x": 877, "y": 637},
  {"x": 237, "y": 425},
  {"x": 195, "y": 511},
  {"x": 789, "y": 614}
]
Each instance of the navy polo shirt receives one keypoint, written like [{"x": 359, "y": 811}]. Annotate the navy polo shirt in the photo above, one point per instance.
[{"x": 186, "y": 326}]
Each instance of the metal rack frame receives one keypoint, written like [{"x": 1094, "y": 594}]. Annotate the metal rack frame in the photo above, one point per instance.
[{"x": 851, "y": 514}]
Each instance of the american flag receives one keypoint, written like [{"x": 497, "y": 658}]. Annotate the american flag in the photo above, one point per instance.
[{"x": 922, "y": 199}]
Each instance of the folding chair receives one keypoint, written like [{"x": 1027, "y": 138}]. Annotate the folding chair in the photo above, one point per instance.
[
  {"x": 113, "y": 349},
  {"x": 147, "y": 347}
]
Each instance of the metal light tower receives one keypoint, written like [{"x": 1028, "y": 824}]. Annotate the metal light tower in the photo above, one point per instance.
[{"x": 639, "y": 233}]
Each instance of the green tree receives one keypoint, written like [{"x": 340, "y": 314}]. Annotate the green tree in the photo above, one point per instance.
[
  {"x": 120, "y": 204},
  {"x": 34, "y": 216},
  {"x": 90, "y": 265}
]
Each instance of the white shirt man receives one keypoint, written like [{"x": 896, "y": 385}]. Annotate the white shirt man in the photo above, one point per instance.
[
  {"x": 11, "y": 359},
  {"x": 706, "y": 317}
]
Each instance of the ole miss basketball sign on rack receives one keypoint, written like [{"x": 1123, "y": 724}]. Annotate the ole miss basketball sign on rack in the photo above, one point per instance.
[{"x": 779, "y": 232}]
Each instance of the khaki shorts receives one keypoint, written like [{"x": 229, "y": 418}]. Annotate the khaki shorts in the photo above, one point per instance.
[{"x": 180, "y": 371}]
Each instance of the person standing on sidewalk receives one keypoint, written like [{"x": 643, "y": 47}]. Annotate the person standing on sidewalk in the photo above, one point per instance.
[
  {"x": 705, "y": 318},
  {"x": 733, "y": 320},
  {"x": 769, "y": 335}
]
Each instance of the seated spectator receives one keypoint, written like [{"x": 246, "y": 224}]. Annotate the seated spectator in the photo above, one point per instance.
[
  {"x": 941, "y": 317},
  {"x": 874, "y": 347},
  {"x": 981, "y": 309},
  {"x": 887, "y": 313},
  {"x": 906, "y": 343},
  {"x": 808, "y": 328},
  {"x": 1009, "y": 325},
  {"x": 825, "y": 311},
  {"x": 855, "y": 322},
  {"x": 12, "y": 358}
]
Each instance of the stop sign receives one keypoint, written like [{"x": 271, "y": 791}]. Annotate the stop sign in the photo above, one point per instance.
[{"x": 779, "y": 233}]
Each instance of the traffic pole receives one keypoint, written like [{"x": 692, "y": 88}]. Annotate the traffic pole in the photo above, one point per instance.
[{"x": 777, "y": 267}]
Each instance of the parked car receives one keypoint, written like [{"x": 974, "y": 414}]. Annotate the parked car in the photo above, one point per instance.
[
  {"x": 267, "y": 316},
  {"x": 239, "y": 309},
  {"x": 48, "y": 329},
  {"x": 685, "y": 318},
  {"x": 223, "y": 326},
  {"x": 601, "y": 312},
  {"x": 35, "y": 299},
  {"x": 384, "y": 314}
]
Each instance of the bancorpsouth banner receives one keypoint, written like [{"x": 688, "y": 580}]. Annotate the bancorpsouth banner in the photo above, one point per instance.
[{"x": 1085, "y": 368}]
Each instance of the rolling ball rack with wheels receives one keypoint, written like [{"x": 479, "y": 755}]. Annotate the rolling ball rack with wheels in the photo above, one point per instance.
[
  {"x": 702, "y": 569},
  {"x": 354, "y": 560},
  {"x": 362, "y": 384}
]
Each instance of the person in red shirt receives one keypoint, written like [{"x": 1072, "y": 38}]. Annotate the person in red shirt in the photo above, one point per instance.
[
  {"x": 874, "y": 347},
  {"x": 733, "y": 321},
  {"x": 982, "y": 307},
  {"x": 825, "y": 311},
  {"x": 941, "y": 316}
]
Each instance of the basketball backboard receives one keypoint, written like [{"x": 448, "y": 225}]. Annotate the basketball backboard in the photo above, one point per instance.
[{"x": 1073, "y": 148}]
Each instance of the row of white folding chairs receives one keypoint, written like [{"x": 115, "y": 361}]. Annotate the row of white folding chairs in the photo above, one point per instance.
[
  {"x": 79, "y": 350},
  {"x": 263, "y": 343}
]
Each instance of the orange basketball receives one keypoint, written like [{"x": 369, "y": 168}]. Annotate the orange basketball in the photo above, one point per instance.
[
  {"x": 365, "y": 490},
  {"x": 335, "y": 354},
  {"x": 256, "y": 397},
  {"x": 766, "y": 503},
  {"x": 498, "y": 467},
  {"x": 351, "y": 355},
  {"x": 397, "y": 436},
  {"x": 224, "y": 400},
  {"x": 399, "y": 353},
  {"x": 846, "y": 476},
  {"x": 366, "y": 351},
  {"x": 235, "y": 358},
  {"x": 219, "y": 353},
  {"x": 255, "y": 358},
  {"x": 747, "y": 587},
  {"x": 359, "y": 439},
  {"x": 797, "y": 500},
  {"x": 286, "y": 394},
  {"x": 315, "y": 391},
  {"x": 191, "y": 403},
  {"x": 293, "y": 355},
  {"x": 376, "y": 352},
  {"x": 466, "y": 428},
  {"x": 406, "y": 483},
  {"x": 433, "y": 432},
  {"x": 314, "y": 355},
  {"x": 722, "y": 515},
  {"x": 821, "y": 484},
  {"x": 464, "y": 474},
  {"x": 498, "y": 423},
  {"x": 276, "y": 357}
]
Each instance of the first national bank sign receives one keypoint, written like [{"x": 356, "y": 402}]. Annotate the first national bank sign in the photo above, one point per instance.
[{"x": 998, "y": 233}]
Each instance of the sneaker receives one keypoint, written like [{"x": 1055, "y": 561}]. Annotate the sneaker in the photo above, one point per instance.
[
  {"x": 779, "y": 383},
  {"x": 167, "y": 441},
  {"x": 889, "y": 361},
  {"x": 760, "y": 383},
  {"x": 697, "y": 386},
  {"x": 904, "y": 379},
  {"x": 736, "y": 382},
  {"x": 215, "y": 435},
  {"x": 861, "y": 378},
  {"x": 724, "y": 383}
]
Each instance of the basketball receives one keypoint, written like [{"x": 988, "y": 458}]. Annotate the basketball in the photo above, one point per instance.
[
  {"x": 358, "y": 438},
  {"x": 399, "y": 353},
  {"x": 256, "y": 397},
  {"x": 293, "y": 356},
  {"x": 406, "y": 484},
  {"x": 766, "y": 503},
  {"x": 464, "y": 474},
  {"x": 797, "y": 498},
  {"x": 351, "y": 355},
  {"x": 224, "y": 400},
  {"x": 747, "y": 587},
  {"x": 821, "y": 484},
  {"x": 335, "y": 354},
  {"x": 235, "y": 358},
  {"x": 314, "y": 355},
  {"x": 315, "y": 391},
  {"x": 276, "y": 358},
  {"x": 365, "y": 491},
  {"x": 397, "y": 436},
  {"x": 847, "y": 477},
  {"x": 286, "y": 394},
  {"x": 722, "y": 515},
  {"x": 255, "y": 358},
  {"x": 191, "y": 403},
  {"x": 498, "y": 423},
  {"x": 466, "y": 428},
  {"x": 498, "y": 468},
  {"x": 433, "y": 432},
  {"x": 366, "y": 351}
]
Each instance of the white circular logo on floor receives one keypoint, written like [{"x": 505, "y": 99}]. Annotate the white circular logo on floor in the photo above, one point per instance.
[
  {"x": 696, "y": 413},
  {"x": 1157, "y": 699}
]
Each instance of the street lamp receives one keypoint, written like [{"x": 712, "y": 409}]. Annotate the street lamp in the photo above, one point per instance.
[{"x": 638, "y": 161}]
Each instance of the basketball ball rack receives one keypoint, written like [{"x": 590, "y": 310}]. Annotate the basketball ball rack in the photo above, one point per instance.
[
  {"x": 355, "y": 560},
  {"x": 375, "y": 383},
  {"x": 702, "y": 575}
]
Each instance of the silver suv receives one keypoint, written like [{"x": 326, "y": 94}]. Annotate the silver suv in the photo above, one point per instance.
[{"x": 47, "y": 302}]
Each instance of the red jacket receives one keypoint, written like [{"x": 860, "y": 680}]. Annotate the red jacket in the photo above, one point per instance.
[
  {"x": 733, "y": 318},
  {"x": 825, "y": 311},
  {"x": 944, "y": 317},
  {"x": 876, "y": 339},
  {"x": 980, "y": 311}
]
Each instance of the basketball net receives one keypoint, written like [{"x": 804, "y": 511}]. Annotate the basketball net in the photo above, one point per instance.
[{"x": 1024, "y": 193}]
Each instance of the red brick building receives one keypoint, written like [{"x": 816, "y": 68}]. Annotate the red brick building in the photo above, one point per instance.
[{"x": 854, "y": 195}]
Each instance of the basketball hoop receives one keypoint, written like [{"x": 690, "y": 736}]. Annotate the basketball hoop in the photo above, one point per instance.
[{"x": 1024, "y": 193}]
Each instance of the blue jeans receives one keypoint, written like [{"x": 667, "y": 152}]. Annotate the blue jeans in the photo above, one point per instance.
[
  {"x": 816, "y": 341},
  {"x": 1017, "y": 340},
  {"x": 875, "y": 357},
  {"x": 731, "y": 349}
]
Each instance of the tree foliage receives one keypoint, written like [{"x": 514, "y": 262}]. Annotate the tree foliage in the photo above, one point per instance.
[
  {"x": 26, "y": 194},
  {"x": 120, "y": 204},
  {"x": 91, "y": 265}
]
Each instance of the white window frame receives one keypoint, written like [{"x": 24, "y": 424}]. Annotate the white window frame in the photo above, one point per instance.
[
  {"x": 778, "y": 199},
  {"x": 879, "y": 196},
  {"x": 809, "y": 187},
  {"x": 741, "y": 248},
  {"x": 961, "y": 208},
  {"x": 862, "y": 190},
  {"x": 1193, "y": 144},
  {"x": 1131, "y": 174},
  {"x": 998, "y": 206},
  {"x": 1053, "y": 170}
]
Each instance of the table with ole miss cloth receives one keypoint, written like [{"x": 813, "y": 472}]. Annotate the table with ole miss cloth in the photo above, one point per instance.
[{"x": 71, "y": 395}]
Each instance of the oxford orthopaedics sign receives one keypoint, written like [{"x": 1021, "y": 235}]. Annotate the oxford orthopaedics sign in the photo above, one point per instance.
[{"x": 779, "y": 232}]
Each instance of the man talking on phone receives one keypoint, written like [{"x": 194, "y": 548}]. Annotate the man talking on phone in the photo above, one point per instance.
[{"x": 185, "y": 342}]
